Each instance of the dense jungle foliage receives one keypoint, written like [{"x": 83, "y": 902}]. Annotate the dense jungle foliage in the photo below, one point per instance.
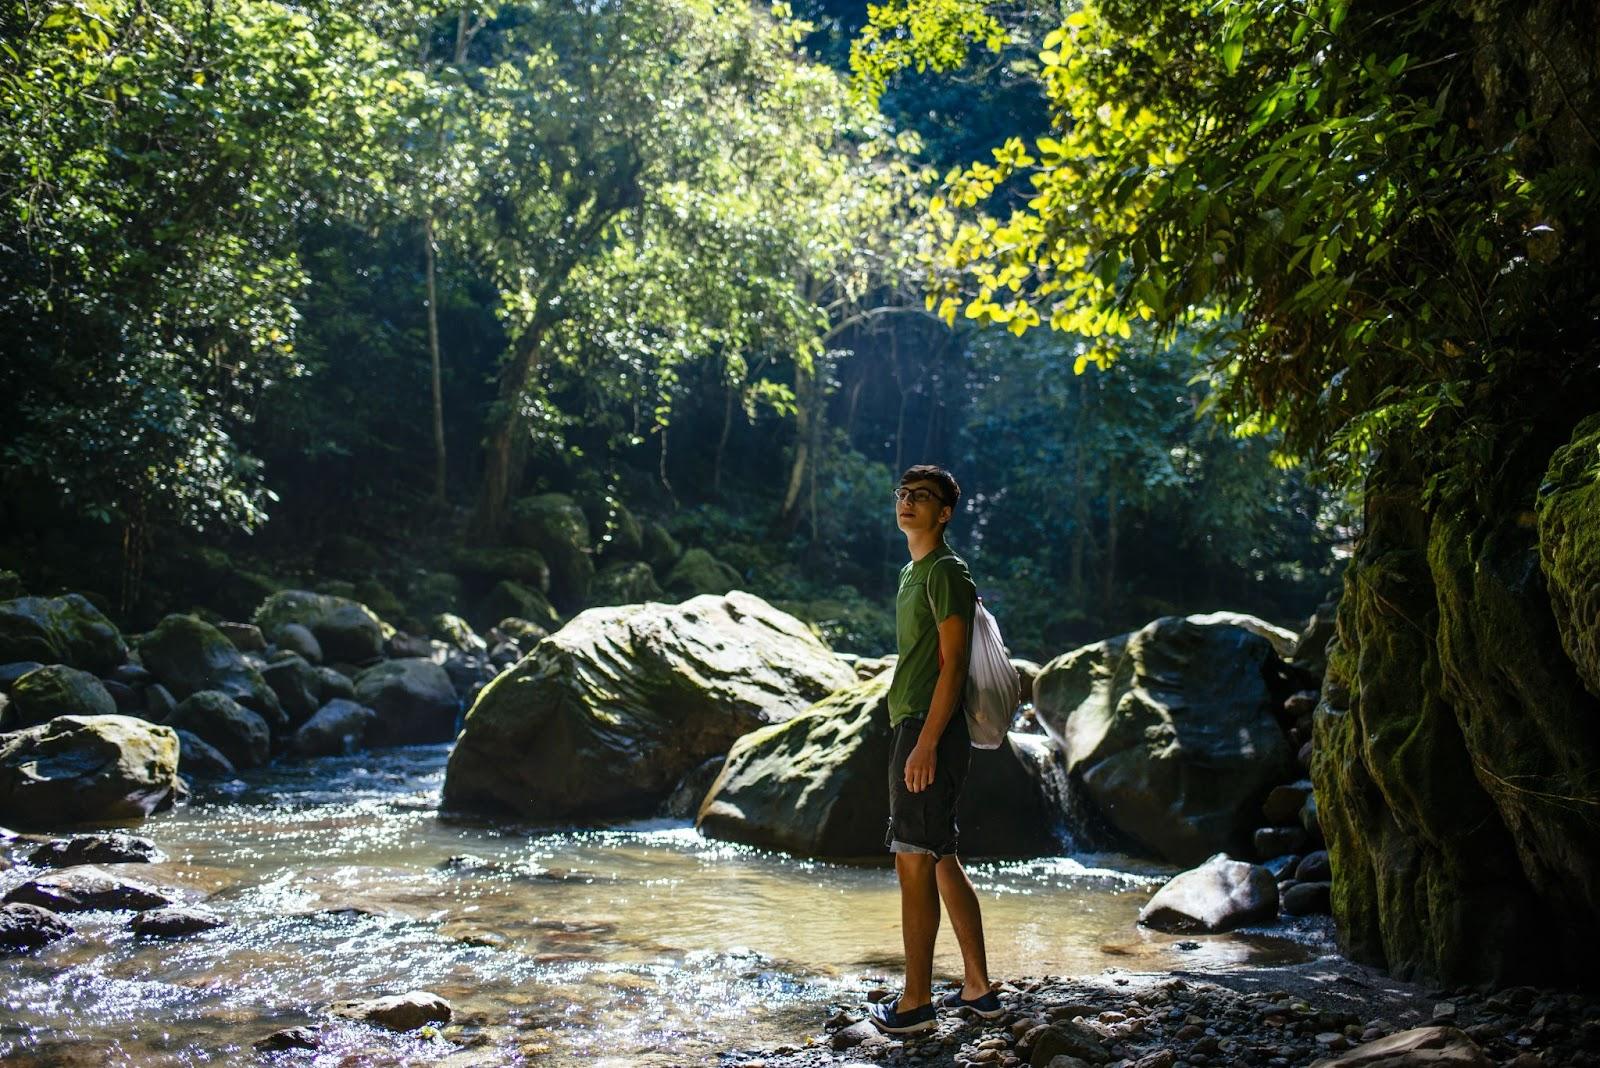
[{"x": 316, "y": 293}]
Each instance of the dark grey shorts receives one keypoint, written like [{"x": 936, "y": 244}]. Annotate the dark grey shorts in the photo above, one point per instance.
[{"x": 926, "y": 822}]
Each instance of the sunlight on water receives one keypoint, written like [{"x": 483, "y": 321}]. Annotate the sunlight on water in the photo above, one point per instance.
[{"x": 645, "y": 942}]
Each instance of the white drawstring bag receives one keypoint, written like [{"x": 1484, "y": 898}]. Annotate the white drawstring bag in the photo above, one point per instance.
[{"x": 993, "y": 689}]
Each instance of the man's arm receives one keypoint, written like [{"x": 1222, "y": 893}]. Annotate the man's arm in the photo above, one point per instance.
[{"x": 946, "y": 699}]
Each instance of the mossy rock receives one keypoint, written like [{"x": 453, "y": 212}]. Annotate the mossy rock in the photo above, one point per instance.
[
  {"x": 231, "y": 590},
  {"x": 1569, "y": 547},
  {"x": 385, "y": 605},
  {"x": 615, "y": 532},
  {"x": 521, "y": 565},
  {"x": 60, "y": 630},
  {"x": 428, "y": 593},
  {"x": 554, "y": 524},
  {"x": 221, "y": 722},
  {"x": 451, "y": 628},
  {"x": 189, "y": 655},
  {"x": 82, "y": 770},
  {"x": 513, "y": 599},
  {"x": 848, "y": 621},
  {"x": 58, "y": 690},
  {"x": 624, "y": 583},
  {"x": 604, "y": 717},
  {"x": 347, "y": 630},
  {"x": 10, "y": 585},
  {"x": 814, "y": 786},
  {"x": 698, "y": 572},
  {"x": 524, "y": 632},
  {"x": 657, "y": 546}
]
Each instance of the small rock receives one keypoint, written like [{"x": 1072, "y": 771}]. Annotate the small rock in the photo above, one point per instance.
[
  {"x": 1444, "y": 1010},
  {"x": 398, "y": 1012},
  {"x": 1437, "y": 1046},
  {"x": 289, "y": 1038},
  {"x": 1283, "y": 803},
  {"x": 84, "y": 888},
  {"x": 174, "y": 922},
  {"x": 1073, "y": 1009},
  {"x": 1276, "y": 841},
  {"x": 103, "y": 848},
  {"x": 852, "y": 1036},
  {"x": 26, "y": 927},
  {"x": 1161, "y": 1058}
]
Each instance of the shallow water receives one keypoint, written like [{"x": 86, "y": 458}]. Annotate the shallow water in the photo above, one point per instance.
[{"x": 640, "y": 944}]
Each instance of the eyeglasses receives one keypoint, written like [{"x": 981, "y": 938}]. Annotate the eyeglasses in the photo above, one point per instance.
[{"x": 916, "y": 496}]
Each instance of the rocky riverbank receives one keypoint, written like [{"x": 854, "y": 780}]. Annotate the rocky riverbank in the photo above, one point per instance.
[{"x": 1327, "y": 1012}]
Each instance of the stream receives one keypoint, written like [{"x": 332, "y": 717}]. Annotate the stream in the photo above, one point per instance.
[{"x": 634, "y": 944}]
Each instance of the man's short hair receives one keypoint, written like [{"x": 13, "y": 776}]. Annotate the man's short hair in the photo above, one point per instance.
[{"x": 948, "y": 490}]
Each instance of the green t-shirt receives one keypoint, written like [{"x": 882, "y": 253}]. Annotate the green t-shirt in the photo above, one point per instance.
[{"x": 941, "y": 576}]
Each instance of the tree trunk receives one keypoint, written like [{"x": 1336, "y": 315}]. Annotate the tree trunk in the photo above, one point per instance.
[
  {"x": 439, "y": 468},
  {"x": 722, "y": 442},
  {"x": 1109, "y": 572},
  {"x": 805, "y": 414},
  {"x": 503, "y": 446}
]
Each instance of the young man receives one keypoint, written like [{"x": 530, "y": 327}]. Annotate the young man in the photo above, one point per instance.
[{"x": 929, "y": 755}]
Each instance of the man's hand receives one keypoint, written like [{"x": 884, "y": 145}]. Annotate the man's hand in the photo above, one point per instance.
[{"x": 919, "y": 767}]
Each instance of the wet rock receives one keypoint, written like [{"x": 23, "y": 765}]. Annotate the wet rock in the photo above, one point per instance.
[
  {"x": 191, "y": 656},
  {"x": 1219, "y": 895},
  {"x": 175, "y": 922},
  {"x": 338, "y": 727},
  {"x": 1171, "y": 731},
  {"x": 112, "y": 847},
  {"x": 84, "y": 888},
  {"x": 1283, "y": 803},
  {"x": 298, "y": 639},
  {"x": 1282, "y": 867},
  {"x": 88, "y": 769},
  {"x": 60, "y": 630},
  {"x": 814, "y": 786},
  {"x": 413, "y": 699},
  {"x": 398, "y": 1012},
  {"x": 345, "y": 629},
  {"x": 289, "y": 1038},
  {"x": 202, "y": 760},
  {"x": 246, "y": 637},
  {"x": 1433, "y": 1047},
  {"x": 1308, "y": 899},
  {"x": 58, "y": 690},
  {"x": 608, "y": 714},
  {"x": 691, "y": 790},
  {"x": 235, "y": 731},
  {"x": 1315, "y": 868},
  {"x": 297, "y": 683},
  {"x": 1276, "y": 841},
  {"x": 25, "y": 927}
]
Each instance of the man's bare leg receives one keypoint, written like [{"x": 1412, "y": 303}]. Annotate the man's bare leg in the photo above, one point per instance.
[
  {"x": 919, "y": 925},
  {"x": 961, "y": 901}
]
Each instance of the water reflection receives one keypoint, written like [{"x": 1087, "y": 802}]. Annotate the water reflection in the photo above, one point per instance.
[{"x": 645, "y": 942}]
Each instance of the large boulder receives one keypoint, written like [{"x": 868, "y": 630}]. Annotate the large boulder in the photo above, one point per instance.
[
  {"x": 1170, "y": 730},
  {"x": 60, "y": 630},
  {"x": 554, "y": 524},
  {"x": 616, "y": 533},
  {"x": 414, "y": 701},
  {"x": 1219, "y": 895},
  {"x": 58, "y": 690},
  {"x": 488, "y": 566},
  {"x": 346, "y": 630},
  {"x": 189, "y": 655},
  {"x": 697, "y": 572},
  {"x": 1435, "y": 1046},
  {"x": 1569, "y": 547},
  {"x": 624, "y": 583},
  {"x": 657, "y": 547},
  {"x": 815, "y": 786},
  {"x": 235, "y": 731},
  {"x": 199, "y": 759},
  {"x": 28, "y": 927},
  {"x": 88, "y": 769},
  {"x": 86, "y": 888},
  {"x": 606, "y": 715}
]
